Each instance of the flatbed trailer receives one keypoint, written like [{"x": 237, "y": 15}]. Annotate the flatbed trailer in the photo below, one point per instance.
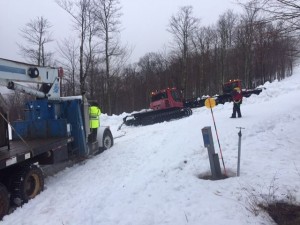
[{"x": 37, "y": 150}]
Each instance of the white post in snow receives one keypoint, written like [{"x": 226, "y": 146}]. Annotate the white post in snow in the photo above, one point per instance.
[{"x": 239, "y": 150}]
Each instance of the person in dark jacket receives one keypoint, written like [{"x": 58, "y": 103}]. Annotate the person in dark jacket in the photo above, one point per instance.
[{"x": 237, "y": 98}]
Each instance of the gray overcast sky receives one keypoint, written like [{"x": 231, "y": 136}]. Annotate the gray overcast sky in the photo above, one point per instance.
[{"x": 144, "y": 22}]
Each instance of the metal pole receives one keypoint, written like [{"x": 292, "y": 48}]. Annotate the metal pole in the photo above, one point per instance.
[{"x": 239, "y": 150}]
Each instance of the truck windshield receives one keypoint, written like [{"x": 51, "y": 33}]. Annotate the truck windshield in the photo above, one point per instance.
[{"x": 158, "y": 96}]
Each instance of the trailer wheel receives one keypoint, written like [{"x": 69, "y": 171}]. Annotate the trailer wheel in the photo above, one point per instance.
[
  {"x": 4, "y": 201},
  {"x": 27, "y": 183},
  {"x": 108, "y": 140}
]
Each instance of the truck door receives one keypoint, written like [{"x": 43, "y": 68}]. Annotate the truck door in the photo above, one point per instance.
[{"x": 3, "y": 129}]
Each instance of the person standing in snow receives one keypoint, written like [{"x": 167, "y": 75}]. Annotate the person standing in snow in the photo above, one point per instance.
[
  {"x": 94, "y": 114},
  {"x": 237, "y": 98}
]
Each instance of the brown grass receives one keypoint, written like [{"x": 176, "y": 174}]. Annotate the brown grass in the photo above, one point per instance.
[{"x": 283, "y": 213}]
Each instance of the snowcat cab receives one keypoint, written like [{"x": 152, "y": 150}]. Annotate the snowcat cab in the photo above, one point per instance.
[
  {"x": 165, "y": 105},
  {"x": 167, "y": 98},
  {"x": 232, "y": 84},
  {"x": 228, "y": 88}
]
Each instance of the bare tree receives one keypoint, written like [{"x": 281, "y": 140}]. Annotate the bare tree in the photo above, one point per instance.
[
  {"x": 151, "y": 67},
  {"x": 285, "y": 14},
  {"x": 287, "y": 11},
  {"x": 36, "y": 34},
  {"x": 68, "y": 51},
  {"x": 225, "y": 28},
  {"x": 91, "y": 55},
  {"x": 107, "y": 14},
  {"x": 15, "y": 102},
  {"x": 245, "y": 38},
  {"x": 203, "y": 48},
  {"x": 80, "y": 11},
  {"x": 182, "y": 26}
]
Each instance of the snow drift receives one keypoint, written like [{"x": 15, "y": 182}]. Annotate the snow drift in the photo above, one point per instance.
[{"x": 151, "y": 175}]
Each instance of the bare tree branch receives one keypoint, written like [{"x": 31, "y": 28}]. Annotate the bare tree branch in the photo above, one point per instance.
[
  {"x": 183, "y": 26},
  {"x": 36, "y": 33}
]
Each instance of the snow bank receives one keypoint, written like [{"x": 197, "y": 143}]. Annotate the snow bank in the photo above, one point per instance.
[{"x": 151, "y": 175}]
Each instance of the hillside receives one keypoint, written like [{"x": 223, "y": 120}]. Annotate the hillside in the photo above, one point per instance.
[{"x": 151, "y": 175}]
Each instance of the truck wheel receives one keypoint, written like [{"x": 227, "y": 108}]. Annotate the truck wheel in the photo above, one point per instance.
[
  {"x": 4, "y": 201},
  {"x": 27, "y": 183},
  {"x": 108, "y": 140}
]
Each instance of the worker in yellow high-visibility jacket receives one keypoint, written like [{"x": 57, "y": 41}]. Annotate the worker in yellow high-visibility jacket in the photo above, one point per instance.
[{"x": 94, "y": 113}]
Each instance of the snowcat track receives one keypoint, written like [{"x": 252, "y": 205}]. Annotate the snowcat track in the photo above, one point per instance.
[{"x": 158, "y": 116}]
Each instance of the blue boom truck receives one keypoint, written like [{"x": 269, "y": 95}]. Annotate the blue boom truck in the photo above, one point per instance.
[{"x": 55, "y": 129}]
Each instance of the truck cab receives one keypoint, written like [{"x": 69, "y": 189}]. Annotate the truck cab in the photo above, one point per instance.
[{"x": 167, "y": 98}]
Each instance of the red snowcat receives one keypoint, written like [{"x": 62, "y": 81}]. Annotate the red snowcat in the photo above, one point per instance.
[
  {"x": 168, "y": 104},
  {"x": 225, "y": 96},
  {"x": 228, "y": 88},
  {"x": 165, "y": 105}
]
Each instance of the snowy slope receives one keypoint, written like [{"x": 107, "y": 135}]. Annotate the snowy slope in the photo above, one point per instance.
[{"x": 151, "y": 175}]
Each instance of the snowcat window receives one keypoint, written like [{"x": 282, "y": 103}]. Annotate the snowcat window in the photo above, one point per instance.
[
  {"x": 229, "y": 87},
  {"x": 158, "y": 96},
  {"x": 176, "y": 96}
]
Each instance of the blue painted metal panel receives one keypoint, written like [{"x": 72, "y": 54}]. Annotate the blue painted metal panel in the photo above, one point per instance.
[
  {"x": 21, "y": 127},
  {"x": 29, "y": 129},
  {"x": 39, "y": 129},
  {"x": 12, "y": 69},
  {"x": 41, "y": 109},
  {"x": 72, "y": 110},
  {"x": 206, "y": 139},
  {"x": 46, "y": 118},
  {"x": 57, "y": 128}
]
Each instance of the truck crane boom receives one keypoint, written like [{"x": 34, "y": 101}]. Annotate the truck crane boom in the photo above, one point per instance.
[{"x": 12, "y": 72}]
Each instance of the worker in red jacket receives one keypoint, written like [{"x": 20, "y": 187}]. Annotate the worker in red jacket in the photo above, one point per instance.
[{"x": 237, "y": 98}]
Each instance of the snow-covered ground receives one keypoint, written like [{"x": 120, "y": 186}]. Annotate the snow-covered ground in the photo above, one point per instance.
[{"x": 151, "y": 175}]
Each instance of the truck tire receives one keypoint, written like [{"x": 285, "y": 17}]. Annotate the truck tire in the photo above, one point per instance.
[
  {"x": 108, "y": 140},
  {"x": 4, "y": 201},
  {"x": 27, "y": 183}
]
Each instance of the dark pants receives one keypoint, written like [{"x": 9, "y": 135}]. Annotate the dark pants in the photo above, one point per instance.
[
  {"x": 236, "y": 109},
  {"x": 93, "y": 135}
]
